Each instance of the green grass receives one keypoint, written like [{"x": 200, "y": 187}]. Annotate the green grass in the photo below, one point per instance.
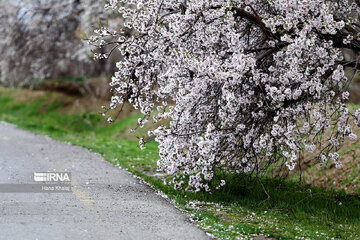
[{"x": 240, "y": 210}]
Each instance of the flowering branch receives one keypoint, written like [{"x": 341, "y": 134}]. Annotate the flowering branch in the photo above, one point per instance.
[{"x": 245, "y": 84}]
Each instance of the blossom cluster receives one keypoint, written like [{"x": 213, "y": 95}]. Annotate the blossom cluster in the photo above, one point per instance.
[{"x": 245, "y": 84}]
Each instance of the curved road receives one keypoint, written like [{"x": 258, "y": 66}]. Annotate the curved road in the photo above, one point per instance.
[{"x": 105, "y": 202}]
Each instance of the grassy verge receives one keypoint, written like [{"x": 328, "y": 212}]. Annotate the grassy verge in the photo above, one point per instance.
[{"x": 241, "y": 210}]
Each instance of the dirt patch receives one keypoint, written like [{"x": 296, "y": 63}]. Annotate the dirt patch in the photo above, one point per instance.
[
  {"x": 23, "y": 95},
  {"x": 327, "y": 175},
  {"x": 95, "y": 88},
  {"x": 66, "y": 103}
]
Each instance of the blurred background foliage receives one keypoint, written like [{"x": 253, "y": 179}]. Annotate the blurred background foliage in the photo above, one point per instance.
[{"x": 46, "y": 39}]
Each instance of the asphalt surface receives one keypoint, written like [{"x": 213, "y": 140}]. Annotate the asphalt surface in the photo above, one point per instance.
[{"x": 105, "y": 203}]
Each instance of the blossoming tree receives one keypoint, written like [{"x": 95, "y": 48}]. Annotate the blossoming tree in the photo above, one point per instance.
[{"x": 246, "y": 84}]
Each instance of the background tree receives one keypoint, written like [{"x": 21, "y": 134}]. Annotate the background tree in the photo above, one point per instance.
[{"x": 43, "y": 39}]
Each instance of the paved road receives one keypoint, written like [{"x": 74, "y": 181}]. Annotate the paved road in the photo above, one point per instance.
[{"x": 105, "y": 202}]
